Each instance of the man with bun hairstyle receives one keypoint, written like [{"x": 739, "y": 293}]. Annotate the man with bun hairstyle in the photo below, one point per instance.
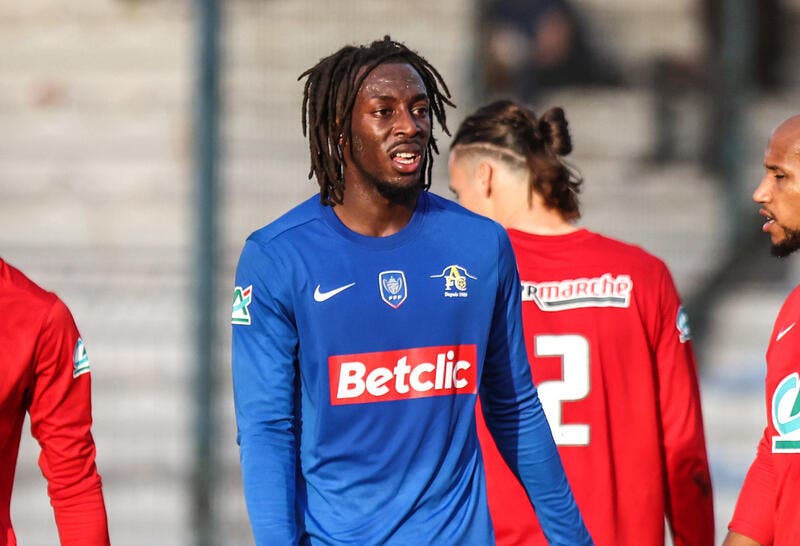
[
  {"x": 365, "y": 324},
  {"x": 607, "y": 339}
]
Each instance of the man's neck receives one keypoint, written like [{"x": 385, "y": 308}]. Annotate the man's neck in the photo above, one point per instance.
[
  {"x": 369, "y": 213},
  {"x": 539, "y": 220}
]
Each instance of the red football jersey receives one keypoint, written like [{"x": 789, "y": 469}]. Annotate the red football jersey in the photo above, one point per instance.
[
  {"x": 767, "y": 509},
  {"x": 609, "y": 347},
  {"x": 45, "y": 372}
]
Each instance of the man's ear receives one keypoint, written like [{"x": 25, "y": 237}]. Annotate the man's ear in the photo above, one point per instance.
[{"x": 485, "y": 177}]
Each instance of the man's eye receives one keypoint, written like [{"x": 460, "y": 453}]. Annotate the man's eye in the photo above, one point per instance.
[
  {"x": 383, "y": 112},
  {"x": 422, "y": 111}
]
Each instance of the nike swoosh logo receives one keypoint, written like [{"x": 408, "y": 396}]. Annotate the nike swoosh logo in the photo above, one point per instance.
[
  {"x": 784, "y": 332},
  {"x": 322, "y": 296}
]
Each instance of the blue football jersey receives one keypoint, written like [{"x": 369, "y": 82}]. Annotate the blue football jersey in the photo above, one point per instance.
[{"x": 356, "y": 365}]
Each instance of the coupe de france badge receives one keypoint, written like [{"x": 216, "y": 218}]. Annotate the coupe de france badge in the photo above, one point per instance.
[
  {"x": 682, "y": 324},
  {"x": 393, "y": 288},
  {"x": 242, "y": 298},
  {"x": 455, "y": 281},
  {"x": 786, "y": 415},
  {"x": 80, "y": 360}
]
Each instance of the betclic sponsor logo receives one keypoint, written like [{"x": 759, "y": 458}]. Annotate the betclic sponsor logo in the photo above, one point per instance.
[{"x": 403, "y": 374}]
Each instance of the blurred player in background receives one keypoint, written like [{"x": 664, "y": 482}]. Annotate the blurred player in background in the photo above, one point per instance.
[
  {"x": 532, "y": 46},
  {"x": 364, "y": 325},
  {"x": 45, "y": 372},
  {"x": 607, "y": 339},
  {"x": 768, "y": 510}
]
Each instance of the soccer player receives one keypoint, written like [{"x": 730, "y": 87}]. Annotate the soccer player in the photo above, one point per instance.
[
  {"x": 767, "y": 510},
  {"x": 607, "y": 339},
  {"x": 45, "y": 372},
  {"x": 365, "y": 323}
]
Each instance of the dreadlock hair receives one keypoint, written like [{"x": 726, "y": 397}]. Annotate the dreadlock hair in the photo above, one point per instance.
[
  {"x": 328, "y": 99},
  {"x": 513, "y": 134}
]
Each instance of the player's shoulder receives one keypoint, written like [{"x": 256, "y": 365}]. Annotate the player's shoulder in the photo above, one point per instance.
[
  {"x": 17, "y": 286},
  {"x": 452, "y": 210},
  {"x": 629, "y": 254},
  {"x": 793, "y": 299},
  {"x": 21, "y": 296},
  {"x": 306, "y": 212},
  {"x": 457, "y": 217}
]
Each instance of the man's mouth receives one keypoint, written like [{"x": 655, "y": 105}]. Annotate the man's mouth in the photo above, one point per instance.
[
  {"x": 769, "y": 222},
  {"x": 405, "y": 157},
  {"x": 406, "y": 161}
]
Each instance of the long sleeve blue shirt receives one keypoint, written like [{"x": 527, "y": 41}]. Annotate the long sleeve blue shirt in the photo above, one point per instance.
[{"x": 356, "y": 365}]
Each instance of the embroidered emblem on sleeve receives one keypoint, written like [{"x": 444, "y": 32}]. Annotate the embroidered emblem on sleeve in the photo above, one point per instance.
[
  {"x": 242, "y": 298},
  {"x": 80, "y": 360},
  {"x": 682, "y": 324}
]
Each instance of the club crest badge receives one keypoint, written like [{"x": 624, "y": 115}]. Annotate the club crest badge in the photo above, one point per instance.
[
  {"x": 682, "y": 324},
  {"x": 80, "y": 360},
  {"x": 786, "y": 415},
  {"x": 242, "y": 298},
  {"x": 455, "y": 281},
  {"x": 393, "y": 288}
]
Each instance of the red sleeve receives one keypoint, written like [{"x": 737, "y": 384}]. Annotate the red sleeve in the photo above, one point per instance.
[
  {"x": 61, "y": 419},
  {"x": 754, "y": 516},
  {"x": 689, "y": 501}
]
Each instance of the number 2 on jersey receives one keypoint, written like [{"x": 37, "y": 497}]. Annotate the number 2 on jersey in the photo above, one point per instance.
[{"x": 574, "y": 385}]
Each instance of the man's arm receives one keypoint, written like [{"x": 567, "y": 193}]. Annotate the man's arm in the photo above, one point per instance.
[
  {"x": 735, "y": 539},
  {"x": 689, "y": 501},
  {"x": 516, "y": 419},
  {"x": 264, "y": 354},
  {"x": 755, "y": 509},
  {"x": 61, "y": 419}
]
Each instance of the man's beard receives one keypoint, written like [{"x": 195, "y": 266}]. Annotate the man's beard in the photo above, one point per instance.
[
  {"x": 788, "y": 245},
  {"x": 395, "y": 193},
  {"x": 398, "y": 195}
]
